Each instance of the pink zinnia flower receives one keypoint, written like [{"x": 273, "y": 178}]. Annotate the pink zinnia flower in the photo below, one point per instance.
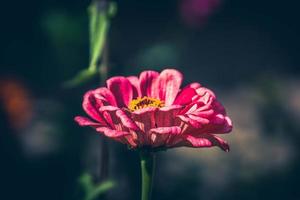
[{"x": 152, "y": 111}]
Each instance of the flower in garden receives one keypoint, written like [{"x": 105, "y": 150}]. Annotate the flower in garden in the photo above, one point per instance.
[
  {"x": 196, "y": 12},
  {"x": 153, "y": 111}
]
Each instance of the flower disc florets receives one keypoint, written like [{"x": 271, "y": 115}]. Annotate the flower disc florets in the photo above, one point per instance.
[{"x": 144, "y": 102}]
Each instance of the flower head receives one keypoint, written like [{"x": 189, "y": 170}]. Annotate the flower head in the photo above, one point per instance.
[{"x": 152, "y": 111}]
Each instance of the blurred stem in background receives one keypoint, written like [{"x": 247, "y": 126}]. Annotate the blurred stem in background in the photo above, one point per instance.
[
  {"x": 147, "y": 170},
  {"x": 99, "y": 24},
  {"x": 100, "y": 14}
]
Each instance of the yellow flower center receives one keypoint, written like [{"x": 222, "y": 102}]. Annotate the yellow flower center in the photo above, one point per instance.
[{"x": 144, "y": 102}]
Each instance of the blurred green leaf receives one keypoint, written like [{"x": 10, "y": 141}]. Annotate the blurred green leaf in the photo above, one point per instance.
[
  {"x": 92, "y": 11},
  {"x": 112, "y": 9},
  {"x": 86, "y": 182},
  {"x": 99, "y": 21},
  {"x": 91, "y": 190},
  {"x": 83, "y": 76},
  {"x": 99, "y": 26},
  {"x": 100, "y": 189}
]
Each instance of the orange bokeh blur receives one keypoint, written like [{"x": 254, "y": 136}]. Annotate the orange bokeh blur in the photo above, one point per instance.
[{"x": 16, "y": 102}]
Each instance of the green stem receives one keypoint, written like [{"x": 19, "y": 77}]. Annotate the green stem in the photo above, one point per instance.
[{"x": 147, "y": 169}]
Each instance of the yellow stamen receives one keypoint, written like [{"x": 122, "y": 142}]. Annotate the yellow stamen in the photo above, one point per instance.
[{"x": 145, "y": 102}]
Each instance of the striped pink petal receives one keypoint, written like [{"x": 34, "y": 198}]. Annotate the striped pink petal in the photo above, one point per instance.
[
  {"x": 121, "y": 89},
  {"x": 206, "y": 140},
  {"x": 84, "y": 121},
  {"x": 167, "y": 86},
  {"x": 147, "y": 79}
]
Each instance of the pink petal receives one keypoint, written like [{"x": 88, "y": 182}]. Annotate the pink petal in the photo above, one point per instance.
[
  {"x": 167, "y": 86},
  {"x": 130, "y": 141},
  {"x": 218, "y": 119},
  {"x": 91, "y": 105},
  {"x": 205, "y": 95},
  {"x": 84, "y": 121},
  {"x": 219, "y": 107},
  {"x": 145, "y": 120},
  {"x": 218, "y": 122},
  {"x": 185, "y": 96},
  {"x": 126, "y": 121},
  {"x": 118, "y": 118},
  {"x": 199, "y": 119},
  {"x": 199, "y": 142},
  {"x": 108, "y": 108},
  {"x": 204, "y": 113},
  {"x": 121, "y": 89},
  {"x": 106, "y": 112},
  {"x": 120, "y": 136},
  {"x": 147, "y": 79},
  {"x": 172, "y": 130},
  {"x": 189, "y": 109},
  {"x": 227, "y": 125},
  {"x": 105, "y": 96},
  {"x": 194, "y": 121},
  {"x": 112, "y": 133},
  {"x": 166, "y": 116},
  {"x": 194, "y": 85},
  {"x": 135, "y": 86},
  {"x": 170, "y": 108},
  {"x": 144, "y": 110},
  {"x": 207, "y": 140},
  {"x": 161, "y": 136}
]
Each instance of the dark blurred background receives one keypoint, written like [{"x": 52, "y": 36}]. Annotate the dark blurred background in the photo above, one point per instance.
[{"x": 246, "y": 51}]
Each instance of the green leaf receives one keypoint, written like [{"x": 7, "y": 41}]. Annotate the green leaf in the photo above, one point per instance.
[
  {"x": 99, "y": 26},
  {"x": 92, "y": 11},
  {"x": 93, "y": 191},
  {"x": 99, "y": 38},
  {"x": 112, "y": 9},
  {"x": 99, "y": 23},
  {"x": 86, "y": 182},
  {"x": 100, "y": 189},
  {"x": 83, "y": 76}
]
